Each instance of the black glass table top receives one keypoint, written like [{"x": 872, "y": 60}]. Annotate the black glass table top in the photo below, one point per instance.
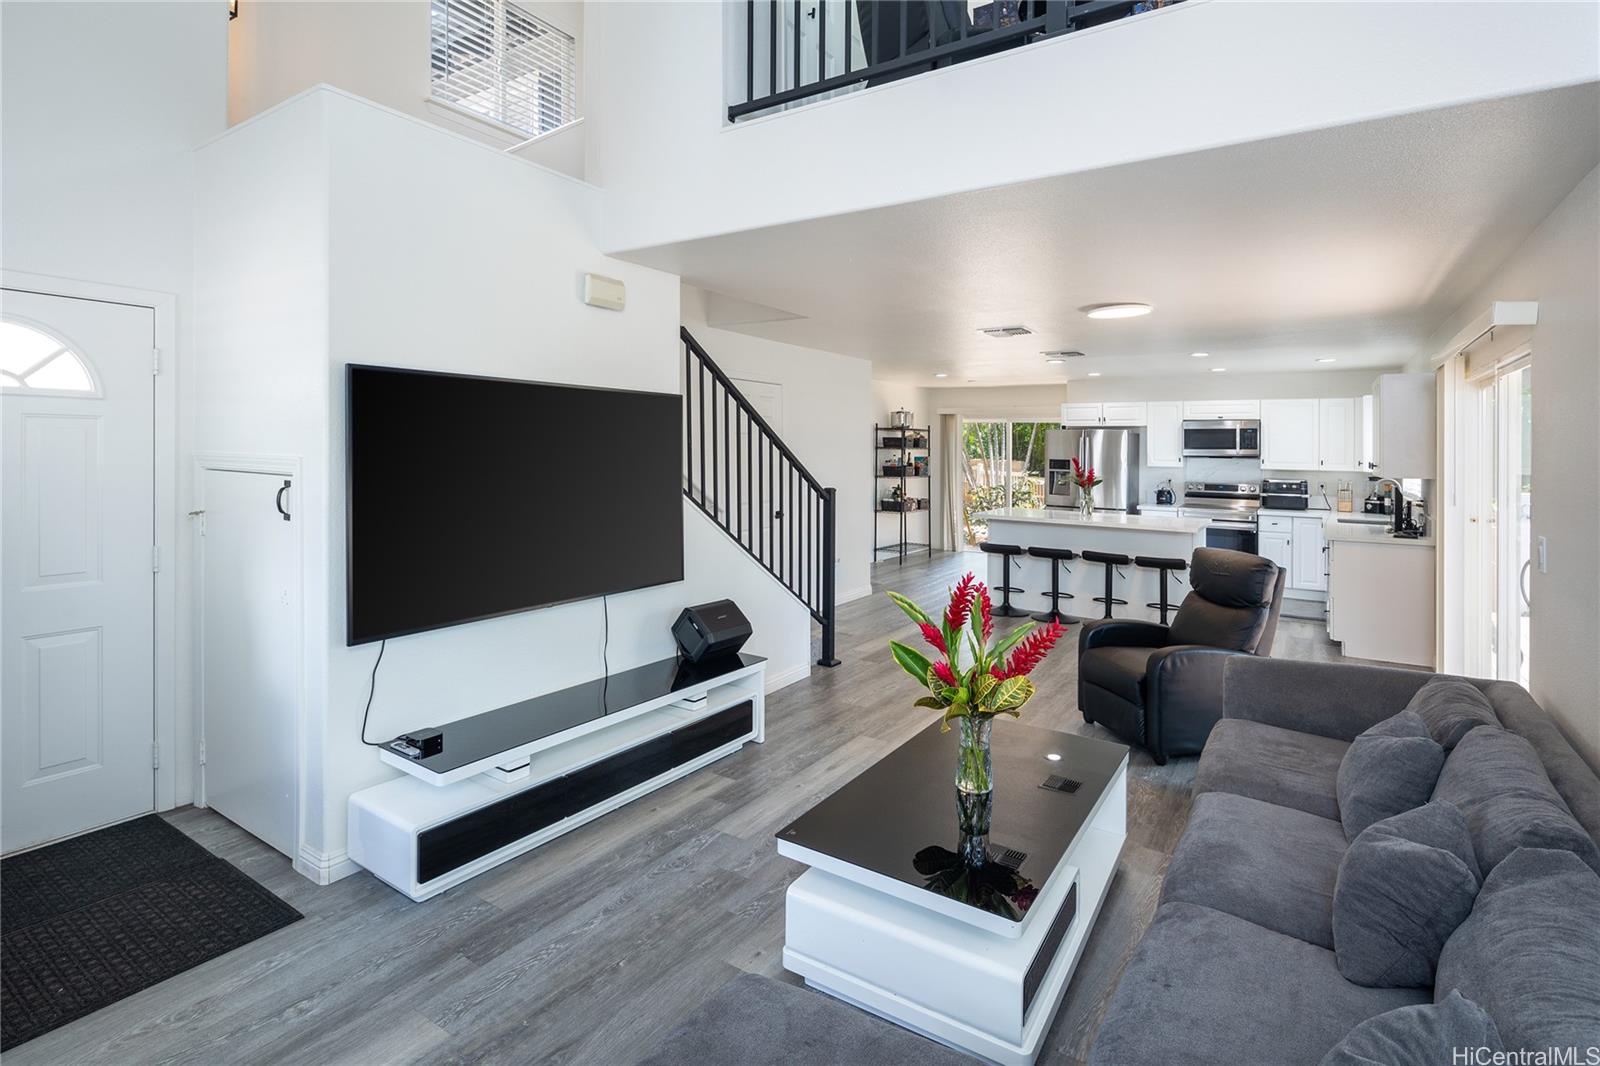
[
  {"x": 482, "y": 736},
  {"x": 902, "y": 819}
]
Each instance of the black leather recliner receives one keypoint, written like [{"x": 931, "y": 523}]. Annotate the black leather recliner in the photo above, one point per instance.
[{"x": 1161, "y": 686}]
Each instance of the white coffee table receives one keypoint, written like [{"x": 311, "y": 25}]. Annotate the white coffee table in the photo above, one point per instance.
[{"x": 891, "y": 918}]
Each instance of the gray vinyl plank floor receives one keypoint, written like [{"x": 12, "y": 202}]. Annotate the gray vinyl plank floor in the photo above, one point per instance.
[{"x": 592, "y": 948}]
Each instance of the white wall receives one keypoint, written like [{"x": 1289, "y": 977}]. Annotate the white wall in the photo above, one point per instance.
[
  {"x": 377, "y": 49},
  {"x": 827, "y": 401},
  {"x": 347, "y": 185},
  {"x": 1237, "y": 72},
  {"x": 1559, "y": 266},
  {"x": 102, "y": 105}
]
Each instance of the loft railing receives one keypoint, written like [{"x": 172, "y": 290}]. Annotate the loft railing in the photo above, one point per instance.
[
  {"x": 798, "y": 49},
  {"x": 746, "y": 480}
]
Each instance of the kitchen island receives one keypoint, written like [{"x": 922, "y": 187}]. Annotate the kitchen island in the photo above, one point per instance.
[{"x": 1165, "y": 535}]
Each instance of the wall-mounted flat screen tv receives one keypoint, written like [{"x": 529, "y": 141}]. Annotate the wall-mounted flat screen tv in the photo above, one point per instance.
[{"x": 472, "y": 497}]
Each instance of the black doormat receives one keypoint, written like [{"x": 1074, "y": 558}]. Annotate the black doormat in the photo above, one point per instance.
[{"x": 94, "y": 919}]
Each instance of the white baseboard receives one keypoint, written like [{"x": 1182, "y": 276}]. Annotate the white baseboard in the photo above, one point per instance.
[
  {"x": 324, "y": 869},
  {"x": 860, "y": 592},
  {"x": 788, "y": 677}
]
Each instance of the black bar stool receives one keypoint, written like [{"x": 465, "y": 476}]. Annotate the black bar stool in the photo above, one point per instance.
[
  {"x": 1006, "y": 552},
  {"x": 1111, "y": 561},
  {"x": 1057, "y": 556},
  {"x": 1166, "y": 566}
]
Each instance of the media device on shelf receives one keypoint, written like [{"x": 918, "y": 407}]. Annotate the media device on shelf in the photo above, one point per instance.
[
  {"x": 474, "y": 497},
  {"x": 710, "y": 630}
]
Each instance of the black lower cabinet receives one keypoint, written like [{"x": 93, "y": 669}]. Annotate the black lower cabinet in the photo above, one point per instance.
[{"x": 445, "y": 847}]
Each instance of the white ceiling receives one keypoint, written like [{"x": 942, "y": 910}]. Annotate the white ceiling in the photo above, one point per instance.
[{"x": 1353, "y": 242}]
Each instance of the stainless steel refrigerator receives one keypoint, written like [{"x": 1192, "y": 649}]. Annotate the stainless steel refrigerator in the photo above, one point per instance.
[{"x": 1114, "y": 455}]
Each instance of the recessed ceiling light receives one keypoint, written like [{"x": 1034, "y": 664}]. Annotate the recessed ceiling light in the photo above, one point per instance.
[
  {"x": 1094, "y": 373},
  {"x": 1219, "y": 370},
  {"x": 1054, "y": 362},
  {"x": 1053, "y": 757},
  {"x": 1199, "y": 355},
  {"x": 1005, "y": 331},
  {"x": 941, "y": 375},
  {"x": 1327, "y": 359},
  {"x": 1122, "y": 310}
]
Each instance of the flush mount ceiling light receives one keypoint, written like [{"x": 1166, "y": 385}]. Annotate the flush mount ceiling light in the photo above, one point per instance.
[
  {"x": 1219, "y": 370},
  {"x": 1327, "y": 359},
  {"x": 1054, "y": 361},
  {"x": 1199, "y": 355},
  {"x": 941, "y": 375},
  {"x": 1119, "y": 310},
  {"x": 1005, "y": 331},
  {"x": 1094, "y": 373}
]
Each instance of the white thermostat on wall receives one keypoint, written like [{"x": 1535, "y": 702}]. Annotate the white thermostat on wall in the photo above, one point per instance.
[{"x": 601, "y": 291}]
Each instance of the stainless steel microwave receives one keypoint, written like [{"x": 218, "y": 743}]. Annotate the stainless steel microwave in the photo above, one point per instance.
[{"x": 1222, "y": 438}]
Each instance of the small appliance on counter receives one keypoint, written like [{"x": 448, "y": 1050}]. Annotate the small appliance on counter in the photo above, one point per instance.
[
  {"x": 1164, "y": 495},
  {"x": 1285, "y": 495},
  {"x": 1376, "y": 503}
]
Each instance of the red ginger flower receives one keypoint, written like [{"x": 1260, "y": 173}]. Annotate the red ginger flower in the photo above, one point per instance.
[
  {"x": 1031, "y": 652},
  {"x": 955, "y": 616},
  {"x": 943, "y": 672},
  {"x": 997, "y": 672},
  {"x": 931, "y": 634},
  {"x": 986, "y": 610}
]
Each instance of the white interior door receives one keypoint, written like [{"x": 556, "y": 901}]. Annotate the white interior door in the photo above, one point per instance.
[
  {"x": 77, "y": 403},
  {"x": 250, "y": 669}
]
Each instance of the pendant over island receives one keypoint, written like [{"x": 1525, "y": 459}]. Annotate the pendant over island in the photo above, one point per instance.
[{"x": 1160, "y": 535}]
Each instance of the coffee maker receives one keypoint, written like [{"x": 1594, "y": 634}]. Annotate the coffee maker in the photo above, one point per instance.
[{"x": 1164, "y": 495}]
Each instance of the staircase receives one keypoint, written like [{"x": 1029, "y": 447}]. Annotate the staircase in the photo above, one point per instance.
[{"x": 746, "y": 480}]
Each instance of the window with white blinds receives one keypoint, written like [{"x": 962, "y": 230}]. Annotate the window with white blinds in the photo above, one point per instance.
[{"x": 496, "y": 59}]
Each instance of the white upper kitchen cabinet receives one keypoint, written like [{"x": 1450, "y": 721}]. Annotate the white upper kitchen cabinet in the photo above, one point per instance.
[
  {"x": 1081, "y": 414},
  {"x": 1221, "y": 409},
  {"x": 1164, "y": 440},
  {"x": 1307, "y": 545},
  {"x": 1399, "y": 437},
  {"x": 1120, "y": 413},
  {"x": 1289, "y": 435},
  {"x": 1338, "y": 433}
]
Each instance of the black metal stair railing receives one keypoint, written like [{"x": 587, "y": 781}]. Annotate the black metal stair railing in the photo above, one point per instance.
[
  {"x": 792, "y": 54},
  {"x": 745, "y": 479}
]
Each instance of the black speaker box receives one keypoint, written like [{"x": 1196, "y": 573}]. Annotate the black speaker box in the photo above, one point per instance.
[{"x": 710, "y": 630}]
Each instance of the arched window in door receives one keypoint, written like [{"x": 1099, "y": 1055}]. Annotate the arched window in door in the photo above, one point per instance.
[{"x": 33, "y": 360}]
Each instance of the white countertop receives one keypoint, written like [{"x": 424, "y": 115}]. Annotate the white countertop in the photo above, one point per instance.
[
  {"x": 1368, "y": 533},
  {"x": 1148, "y": 523}
]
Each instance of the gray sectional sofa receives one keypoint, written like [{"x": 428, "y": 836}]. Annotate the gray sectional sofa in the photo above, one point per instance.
[{"x": 1239, "y": 964}]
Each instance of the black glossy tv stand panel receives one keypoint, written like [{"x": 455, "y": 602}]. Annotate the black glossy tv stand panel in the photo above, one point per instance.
[
  {"x": 495, "y": 738},
  {"x": 428, "y": 830}
]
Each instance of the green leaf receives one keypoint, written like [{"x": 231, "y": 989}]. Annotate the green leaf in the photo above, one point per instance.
[
  {"x": 931, "y": 702},
  {"x": 982, "y": 686},
  {"x": 915, "y": 613},
  {"x": 1010, "y": 694},
  {"x": 1010, "y": 640},
  {"x": 911, "y": 661},
  {"x": 951, "y": 713}
]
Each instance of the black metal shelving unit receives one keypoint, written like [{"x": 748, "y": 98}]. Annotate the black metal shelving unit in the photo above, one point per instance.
[{"x": 894, "y": 458}]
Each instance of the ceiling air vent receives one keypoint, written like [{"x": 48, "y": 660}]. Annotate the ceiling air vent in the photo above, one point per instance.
[
  {"x": 1005, "y": 331},
  {"x": 1062, "y": 355}
]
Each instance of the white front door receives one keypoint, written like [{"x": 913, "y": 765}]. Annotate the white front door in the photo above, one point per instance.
[{"x": 77, "y": 407}]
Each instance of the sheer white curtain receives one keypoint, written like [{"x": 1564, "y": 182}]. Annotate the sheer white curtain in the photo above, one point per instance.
[{"x": 952, "y": 478}]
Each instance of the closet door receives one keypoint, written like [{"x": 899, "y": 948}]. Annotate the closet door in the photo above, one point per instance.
[{"x": 250, "y": 630}]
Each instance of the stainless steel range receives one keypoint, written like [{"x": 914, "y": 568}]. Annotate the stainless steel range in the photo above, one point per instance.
[{"x": 1231, "y": 510}]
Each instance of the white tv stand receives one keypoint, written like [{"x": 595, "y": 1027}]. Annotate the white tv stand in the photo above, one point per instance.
[{"x": 513, "y": 778}]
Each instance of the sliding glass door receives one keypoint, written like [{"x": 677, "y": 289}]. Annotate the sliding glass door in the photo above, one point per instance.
[
  {"x": 1004, "y": 467},
  {"x": 1501, "y": 548}
]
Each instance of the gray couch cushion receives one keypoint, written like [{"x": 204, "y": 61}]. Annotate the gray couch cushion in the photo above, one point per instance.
[
  {"x": 1279, "y": 766},
  {"x": 1404, "y": 886},
  {"x": 1452, "y": 707},
  {"x": 1205, "y": 987},
  {"x": 1497, "y": 780},
  {"x": 1424, "y": 1035},
  {"x": 1530, "y": 952},
  {"x": 1573, "y": 778},
  {"x": 1117, "y": 670},
  {"x": 1275, "y": 866},
  {"x": 1390, "y": 768}
]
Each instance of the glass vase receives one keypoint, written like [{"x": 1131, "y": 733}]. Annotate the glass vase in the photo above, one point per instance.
[
  {"x": 1087, "y": 506},
  {"x": 974, "y": 771}
]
